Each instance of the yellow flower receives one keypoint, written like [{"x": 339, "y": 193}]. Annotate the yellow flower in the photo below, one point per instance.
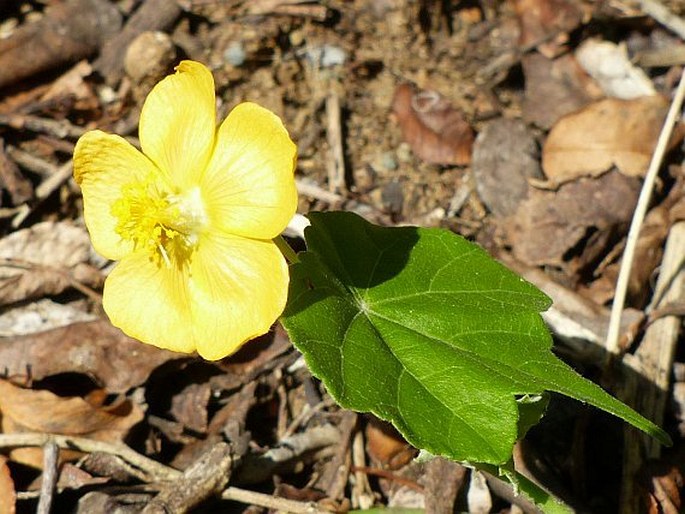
[{"x": 192, "y": 218}]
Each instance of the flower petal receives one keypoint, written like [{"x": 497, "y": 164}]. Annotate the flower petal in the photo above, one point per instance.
[
  {"x": 238, "y": 289},
  {"x": 150, "y": 303},
  {"x": 178, "y": 123},
  {"x": 249, "y": 186},
  {"x": 103, "y": 164}
]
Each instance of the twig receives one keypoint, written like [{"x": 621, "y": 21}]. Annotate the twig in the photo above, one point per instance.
[
  {"x": 613, "y": 334},
  {"x": 335, "y": 474},
  {"x": 59, "y": 129},
  {"x": 257, "y": 468},
  {"x": 154, "y": 469},
  {"x": 661, "y": 14},
  {"x": 67, "y": 32},
  {"x": 507, "y": 60},
  {"x": 389, "y": 475},
  {"x": 271, "y": 502},
  {"x": 652, "y": 363},
  {"x": 335, "y": 164},
  {"x": 49, "y": 185},
  {"x": 205, "y": 478},
  {"x": 31, "y": 162},
  {"x": 45, "y": 189},
  {"x": 314, "y": 191},
  {"x": 157, "y": 471},
  {"x": 362, "y": 496},
  {"x": 49, "y": 479}
]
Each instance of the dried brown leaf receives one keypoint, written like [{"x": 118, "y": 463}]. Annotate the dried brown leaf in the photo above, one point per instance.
[
  {"x": 28, "y": 410},
  {"x": 664, "y": 495},
  {"x": 386, "y": 447},
  {"x": 190, "y": 406},
  {"x": 576, "y": 222},
  {"x": 611, "y": 132},
  {"x": 436, "y": 132},
  {"x": 95, "y": 348},
  {"x": 554, "y": 88},
  {"x": 8, "y": 494},
  {"x": 41, "y": 260}
]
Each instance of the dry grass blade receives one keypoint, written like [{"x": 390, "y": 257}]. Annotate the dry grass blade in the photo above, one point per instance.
[{"x": 612, "y": 342}]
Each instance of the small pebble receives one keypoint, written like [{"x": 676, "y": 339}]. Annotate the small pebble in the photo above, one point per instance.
[
  {"x": 326, "y": 56},
  {"x": 388, "y": 161},
  {"x": 149, "y": 57},
  {"x": 235, "y": 54},
  {"x": 296, "y": 37}
]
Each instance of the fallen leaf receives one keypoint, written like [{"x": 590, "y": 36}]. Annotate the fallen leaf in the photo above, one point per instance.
[
  {"x": 504, "y": 158},
  {"x": 190, "y": 406},
  {"x": 40, "y": 316},
  {"x": 436, "y": 132},
  {"x": 666, "y": 483},
  {"x": 609, "y": 65},
  {"x": 611, "y": 132},
  {"x": 571, "y": 227},
  {"x": 554, "y": 88},
  {"x": 28, "y": 410},
  {"x": 97, "y": 349},
  {"x": 42, "y": 260},
  {"x": 8, "y": 494},
  {"x": 385, "y": 446},
  {"x": 545, "y": 24}
]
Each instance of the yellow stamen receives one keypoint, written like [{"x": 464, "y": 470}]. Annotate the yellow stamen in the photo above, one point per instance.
[{"x": 167, "y": 225}]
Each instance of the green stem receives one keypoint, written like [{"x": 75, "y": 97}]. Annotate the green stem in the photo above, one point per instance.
[
  {"x": 286, "y": 250},
  {"x": 546, "y": 502}
]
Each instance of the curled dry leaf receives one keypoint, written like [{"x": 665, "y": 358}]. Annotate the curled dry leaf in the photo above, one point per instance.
[
  {"x": 386, "y": 447},
  {"x": 44, "y": 259},
  {"x": 571, "y": 227},
  {"x": 28, "y": 410},
  {"x": 609, "y": 65},
  {"x": 8, "y": 494},
  {"x": 554, "y": 88},
  {"x": 611, "y": 132},
  {"x": 436, "y": 132},
  {"x": 40, "y": 316},
  {"x": 96, "y": 349}
]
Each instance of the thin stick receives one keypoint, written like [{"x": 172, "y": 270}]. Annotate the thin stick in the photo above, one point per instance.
[
  {"x": 318, "y": 193},
  {"x": 335, "y": 159},
  {"x": 156, "y": 471},
  {"x": 286, "y": 250},
  {"x": 151, "y": 467},
  {"x": 612, "y": 343},
  {"x": 45, "y": 189},
  {"x": 660, "y": 13},
  {"x": 271, "y": 502},
  {"x": 49, "y": 480}
]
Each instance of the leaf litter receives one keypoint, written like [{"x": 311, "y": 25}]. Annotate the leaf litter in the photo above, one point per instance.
[{"x": 463, "y": 150}]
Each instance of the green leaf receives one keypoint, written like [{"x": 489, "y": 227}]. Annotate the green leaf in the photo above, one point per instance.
[{"x": 425, "y": 330}]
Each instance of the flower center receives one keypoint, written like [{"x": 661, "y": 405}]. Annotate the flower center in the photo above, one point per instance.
[{"x": 167, "y": 225}]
